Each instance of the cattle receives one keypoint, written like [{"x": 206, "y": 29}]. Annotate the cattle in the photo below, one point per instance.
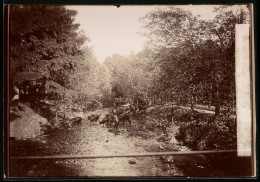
[
  {"x": 138, "y": 108},
  {"x": 141, "y": 108},
  {"x": 132, "y": 108},
  {"x": 106, "y": 120},
  {"x": 125, "y": 118},
  {"x": 111, "y": 121},
  {"x": 112, "y": 111},
  {"x": 115, "y": 117},
  {"x": 94, "y": 117},
  {"x": 119, "y": 111},
  {"x": 76, "y": 120},
  {"x": 115, "y": 123},
  {"x": 103, "y": 121}
]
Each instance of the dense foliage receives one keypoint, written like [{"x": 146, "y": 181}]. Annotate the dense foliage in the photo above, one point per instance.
[
  {"x": 42, "y": 33},
  {"x": 206, "y": 132},
  {"x": 130, "y": 75},
  {"x": 46, "y": 42},
  {"x": 196, "y": 57}
]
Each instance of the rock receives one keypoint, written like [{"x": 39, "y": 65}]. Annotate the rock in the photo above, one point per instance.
[
  {"x": 167, "y": 159},
  {"x": 162, "y": 139},
  {"x": 161, "y": 147},
  {"x": 76, "y": 120},
  {"x": 131, "y": 162},
  {"x": 107, "y": 141}
]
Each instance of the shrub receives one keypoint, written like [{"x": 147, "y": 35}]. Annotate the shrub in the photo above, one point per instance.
[
  {"x": 204, "y": 132},
  {"x": 92, "y": 104}
]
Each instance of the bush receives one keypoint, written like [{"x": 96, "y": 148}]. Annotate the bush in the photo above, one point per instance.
[
  {"x": 198, "y": 131},
  {"x": 92, "y": 104},
  {"x": 107, "y": 102},
  {"x": 204, "y": 132}
]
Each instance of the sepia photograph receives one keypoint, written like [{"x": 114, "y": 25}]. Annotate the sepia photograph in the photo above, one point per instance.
[{"x": 129, "y": 91}]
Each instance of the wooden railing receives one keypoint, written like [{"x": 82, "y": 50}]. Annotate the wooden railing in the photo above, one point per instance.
[{"x": 178, "y": 153}]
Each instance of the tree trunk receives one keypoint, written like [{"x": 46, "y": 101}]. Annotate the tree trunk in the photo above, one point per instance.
[
  {"x": 193, "y": 102},
  {"x": 192, "y": 106},
  {"x": 217, "y": 103},
  {"x": 64, "y": 105},
  {"x": 217, "y": 109}
]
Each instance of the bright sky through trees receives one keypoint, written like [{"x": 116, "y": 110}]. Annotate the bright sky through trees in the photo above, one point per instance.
[{"x": 117, "y": 30}]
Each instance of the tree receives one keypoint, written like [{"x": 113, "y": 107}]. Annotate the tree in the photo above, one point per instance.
[
  {"x": 130, "y": 75},
  {"x": 43, "y": 37},
  {"x": 92, "y": 78},
  {"x": 223, "y": 28},
  {"x": 178, "y": 53},
  {"x": 119, "y": 68}
]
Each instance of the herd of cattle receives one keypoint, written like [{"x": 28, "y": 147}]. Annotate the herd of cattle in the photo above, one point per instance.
[{"x": 114, "y": 118}]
